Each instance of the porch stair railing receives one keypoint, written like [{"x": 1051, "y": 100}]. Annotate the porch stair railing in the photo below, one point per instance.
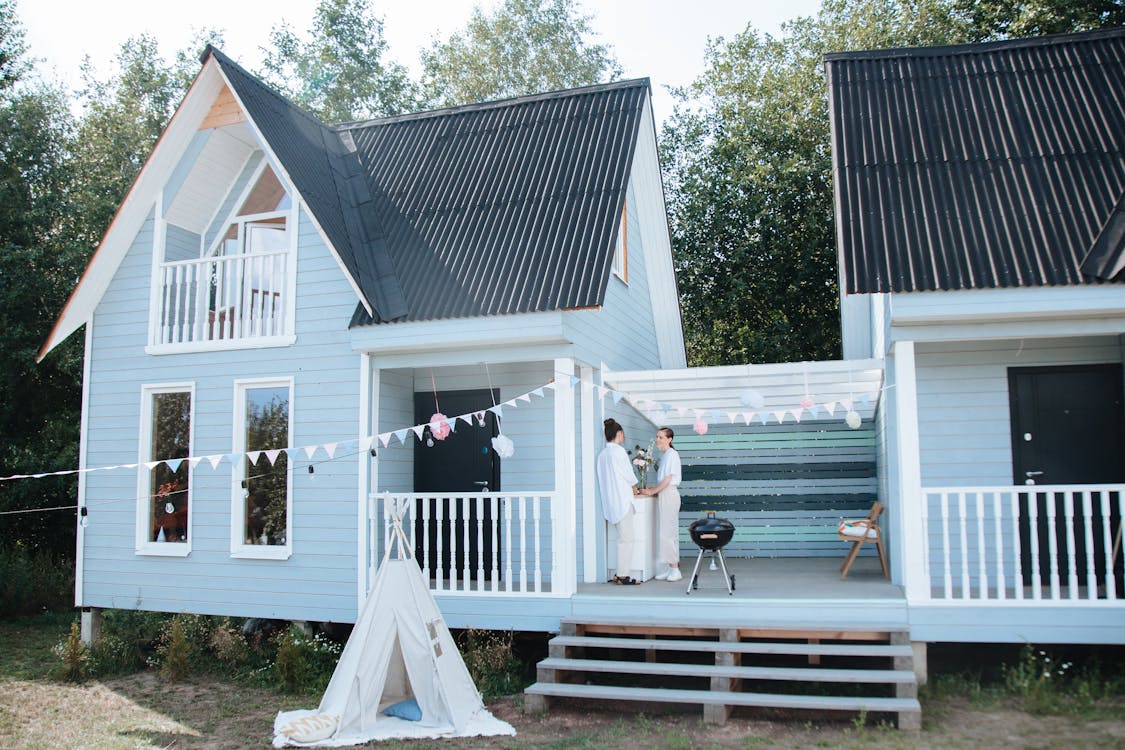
[
  {"x": 474, "y": 543},
  {"x": 869, "y": 671},
  {"x": 1043, "y": 543}
]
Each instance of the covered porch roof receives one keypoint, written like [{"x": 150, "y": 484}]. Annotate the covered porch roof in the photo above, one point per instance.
[{"x": 789, "y": 392}]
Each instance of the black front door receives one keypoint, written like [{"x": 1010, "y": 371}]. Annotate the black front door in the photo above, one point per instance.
[
  {"x": 1067, "y": 428},
  {"x": 463, "y": 462}
]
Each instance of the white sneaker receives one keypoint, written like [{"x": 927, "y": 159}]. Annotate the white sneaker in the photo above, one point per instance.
[
  {"x": 663, "y": 576},
  {"x": 674, "y": 575}
]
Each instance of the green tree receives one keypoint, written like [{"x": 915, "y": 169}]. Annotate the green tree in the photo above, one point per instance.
[
  {"x": 748, "y": 175},
  {"x": 524, "y": 47},
  {"x": 998, "y": 19},
  {"x": 340, "y": 73},
  {"x": 39, "y": 406}
]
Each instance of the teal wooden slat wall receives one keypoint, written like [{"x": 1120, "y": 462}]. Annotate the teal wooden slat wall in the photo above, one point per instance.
[{"x": 784, "y": 486}]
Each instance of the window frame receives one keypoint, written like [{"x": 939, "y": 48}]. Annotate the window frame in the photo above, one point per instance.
[
  {"x": 239, "y": 548},
  {"x": 621, "y": 251},
  {"x": 143, "y": 546}
]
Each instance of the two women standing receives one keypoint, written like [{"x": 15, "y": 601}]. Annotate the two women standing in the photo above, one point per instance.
[{"x": 618, "y": 487}]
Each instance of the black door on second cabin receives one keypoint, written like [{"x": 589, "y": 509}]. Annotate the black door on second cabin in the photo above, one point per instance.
[
  {"x": 1068, "y": 427},
  {"x": 463, "y": 462}
]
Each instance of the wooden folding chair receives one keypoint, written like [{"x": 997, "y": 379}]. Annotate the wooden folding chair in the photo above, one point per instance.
[{"x": 870, "y": 533}]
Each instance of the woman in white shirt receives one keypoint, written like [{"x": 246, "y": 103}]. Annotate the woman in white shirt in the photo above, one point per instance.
[
  {"x": 617, "y": 484},
  {"x": 667, "y": 491}
]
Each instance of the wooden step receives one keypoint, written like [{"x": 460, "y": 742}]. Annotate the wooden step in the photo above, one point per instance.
[
  {"x": 726, "y": 698},
  {"x": 806, "y": 631},
  {"x": 794, "y": 674},
  {"x": 739, "y": 647}
]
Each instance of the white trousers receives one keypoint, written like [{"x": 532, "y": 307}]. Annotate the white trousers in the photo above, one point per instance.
[
  {"x": 668, "y": 525},
  {"x": 624, "y": 529}
]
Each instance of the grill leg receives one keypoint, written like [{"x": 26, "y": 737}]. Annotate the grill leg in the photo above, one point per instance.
[
  {"x": 726, "y": 577},
  {"x": 694, "y": 571}
]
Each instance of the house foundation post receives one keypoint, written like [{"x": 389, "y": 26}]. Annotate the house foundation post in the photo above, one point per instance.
[{"x": 91, "y": 625}]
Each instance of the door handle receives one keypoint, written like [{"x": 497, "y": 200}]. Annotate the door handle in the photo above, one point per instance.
[
  {"x": 1031, "y": 476},
  {"x": 482, "y": 484}
]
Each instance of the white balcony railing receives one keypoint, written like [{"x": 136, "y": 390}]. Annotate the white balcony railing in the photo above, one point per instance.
[
  {"x": 473, "y": 543},
  {"x": 222, "y": 298},
  {"x": 1053, "y": 543}
]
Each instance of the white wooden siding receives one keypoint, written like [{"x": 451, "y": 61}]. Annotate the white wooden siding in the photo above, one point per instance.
[{"x": 318, "y": 581}]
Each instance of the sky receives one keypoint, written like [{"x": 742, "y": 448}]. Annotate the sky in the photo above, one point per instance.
[{"x": 661, "y": 39}]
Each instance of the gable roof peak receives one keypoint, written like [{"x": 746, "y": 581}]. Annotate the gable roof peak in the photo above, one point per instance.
[{"x": 978, "y": 48}]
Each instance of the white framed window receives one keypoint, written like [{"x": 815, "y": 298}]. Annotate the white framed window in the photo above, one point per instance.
[
  {"x": 164, "y": 518},
  {"x": 262, "y": 479},
  {"x": 621, "y": 252}
]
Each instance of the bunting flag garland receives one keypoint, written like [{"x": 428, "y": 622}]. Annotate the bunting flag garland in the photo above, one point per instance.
[{"x": 441, "y": 425}]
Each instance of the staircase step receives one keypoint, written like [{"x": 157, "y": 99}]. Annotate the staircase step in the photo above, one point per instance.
[
  {"x": 610, "y": 626},
  {"x": 740, "y": 647},
  {"x": 796, "y": 674},
  {"x": 726, "y": 698}
]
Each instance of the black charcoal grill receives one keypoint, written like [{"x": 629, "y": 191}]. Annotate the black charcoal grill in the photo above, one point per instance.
[{"x": 711, "y": 534}]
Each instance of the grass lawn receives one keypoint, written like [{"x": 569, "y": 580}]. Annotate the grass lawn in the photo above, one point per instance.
[{"x": 144, "y": 710}]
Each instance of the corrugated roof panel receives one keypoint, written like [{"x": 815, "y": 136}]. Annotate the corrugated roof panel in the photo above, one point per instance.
[
  {"x": 988, "y": 165},
  {"x": 505, "y": 207}
]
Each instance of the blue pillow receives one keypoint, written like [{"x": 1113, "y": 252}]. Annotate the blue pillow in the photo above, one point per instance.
[{"x": 407, "y": 709}]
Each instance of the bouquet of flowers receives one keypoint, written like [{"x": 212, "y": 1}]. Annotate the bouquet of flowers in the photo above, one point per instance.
[{"x": 644, "y": 460}]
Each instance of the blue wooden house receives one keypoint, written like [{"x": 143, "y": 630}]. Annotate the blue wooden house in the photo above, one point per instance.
[{"x": 281, "y": 307}]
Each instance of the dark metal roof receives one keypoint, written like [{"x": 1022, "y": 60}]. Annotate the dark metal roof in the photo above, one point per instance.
[
  {"x": 978, "y": 166},
  {"x": 488, "y": 209},
  {"x": 505, "y": 207},
  {"x": 327, "y": 175}
]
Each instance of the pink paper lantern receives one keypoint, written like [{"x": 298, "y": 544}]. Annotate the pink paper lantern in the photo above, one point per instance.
[
  {"x": 438, "y": 426},
  {"x": 807, "y": 402},
  {"x": 700, "y": 427}
]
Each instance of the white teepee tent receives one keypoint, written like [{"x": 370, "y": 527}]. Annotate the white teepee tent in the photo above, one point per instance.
[{"x": 399, "y": 650}]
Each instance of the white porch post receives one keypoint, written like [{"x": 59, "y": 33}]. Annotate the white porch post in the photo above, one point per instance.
[
  {"x": 911, "y": 504},
  {"x": 591, "y": 415},
  {"x": 564, "y": 569},
  {"x": 368, "y": 425}
]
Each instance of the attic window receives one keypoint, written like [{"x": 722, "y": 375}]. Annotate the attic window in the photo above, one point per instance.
[{"x": 620, "y": 253}]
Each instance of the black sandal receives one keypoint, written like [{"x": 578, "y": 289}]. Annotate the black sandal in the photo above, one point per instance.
[{"x": 625, "y": 581}]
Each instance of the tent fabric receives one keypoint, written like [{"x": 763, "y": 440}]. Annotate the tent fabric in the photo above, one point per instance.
[{"x": 400, "y": 648}]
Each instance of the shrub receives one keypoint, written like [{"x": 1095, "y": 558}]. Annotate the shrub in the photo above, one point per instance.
[
  {"x": 491, "y": 661},
  {"x": 74, "y": 655},
  {"x": 227, "y": 643},
  {"x": 175, "y": 651},
  {"x": 33, "y": 582},
  {"x": 304, "y": 664},
  {"x": 128, "y": 641}
]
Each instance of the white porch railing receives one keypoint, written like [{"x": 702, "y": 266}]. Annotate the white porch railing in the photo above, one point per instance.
[
  {"x": 474, "y": 543},
  {"x": 221, "y": 298},
  {"x": 1051, "y": 543}
]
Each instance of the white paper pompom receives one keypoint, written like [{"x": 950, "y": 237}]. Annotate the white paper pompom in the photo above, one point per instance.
[
  {"x": 503, "y": 446},
  {"x": 752, "y": 398},
  {"x": 853, "y": 419}
]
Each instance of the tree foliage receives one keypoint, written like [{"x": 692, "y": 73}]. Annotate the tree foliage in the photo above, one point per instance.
[
  {"x": 997, "y": 19},
  {"x": 340, "y": 73},
  {"x": 523, "y": 47}
]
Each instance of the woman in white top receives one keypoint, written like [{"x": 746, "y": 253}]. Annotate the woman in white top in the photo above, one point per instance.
[
  {"x": 667, "y": 491},
  {"x": 617, "y": 484}
]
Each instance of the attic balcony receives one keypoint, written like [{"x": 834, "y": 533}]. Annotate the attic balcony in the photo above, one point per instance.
[{"x": 222, "y": 302}]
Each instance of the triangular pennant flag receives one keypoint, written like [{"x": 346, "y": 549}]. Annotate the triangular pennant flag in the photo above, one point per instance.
[
  {"x": 214, "y": 460},
  {"x": 573, "y": 380},
  {"x": 538, "y": 392},
  {"x": 552, "y": 385},
  {"x": 617, "y": 396},
  {"x": 150, "y": 465},
  {"x": 764, "y": 417},
  {"x": 510, "y": 402},
  {"x": 602, "y": 390},
  {"x": 173, "y": 464},
  {"x": 524, "y": 397},
  {"x": 310, "y": 451},
  {"x": 254, "y": 456},
  {"x": 847, "y": 403},
  {"x": 732, "y": 415},
  {"x": 497, "y": 410},
  {"x": 452, "y": 422},
  {"x": 366, "y": 442},
  {"x": 133, "y": 466},
  {"x": 401, "y": 435},
  {"x": 233, "y": 457},
  {"x": 814, "y": 410},
  {"x": 330, "y": 449},
  {"x": 385, "y": 438},
  {"x": 698, "y": 413},
  {"x": 193, "y": 461},
  {"x": 831, "y": 407},
  {"x": 748, "y": 417},
  {"x": 665, "y": 408},
  {"x": 681, "y": 410},
  {"x": 272, "y": 455},
  {"x": 780, "y": 416},
  {"x": 716, "y": 416},
  {"x": 466, "y": 418},
  {"x": 797, "y": 414},
  {"x": 418, "y": 429}
]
